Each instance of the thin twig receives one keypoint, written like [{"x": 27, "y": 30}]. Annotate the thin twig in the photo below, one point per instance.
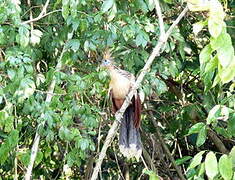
[
  {"x": 118, "y": 116},
  {"x": 119, "y": 169},
  {"x": 148, "y": 159},
  {"x": 16, "y": 149},
  {"x": 144, "y": 162},
  {"x": 54, "y": 94},
  {"x": 30, "y": 15},
  {"x": 41, "y": 15},
  {"x": 159, "y": 136}
]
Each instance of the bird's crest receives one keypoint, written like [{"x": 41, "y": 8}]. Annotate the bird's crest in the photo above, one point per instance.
[{"x": 107, "y": 54}]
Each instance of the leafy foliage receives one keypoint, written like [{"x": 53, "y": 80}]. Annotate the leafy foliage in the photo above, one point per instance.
[{"x": 189, "y": 89}]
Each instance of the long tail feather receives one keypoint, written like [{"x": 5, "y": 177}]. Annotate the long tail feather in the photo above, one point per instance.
[
  {"x": 129, "y": 137},
  {"x": 137, "y": 114}
]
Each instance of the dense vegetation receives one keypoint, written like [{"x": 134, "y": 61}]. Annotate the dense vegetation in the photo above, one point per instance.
[{"x": 51, "y": 87}]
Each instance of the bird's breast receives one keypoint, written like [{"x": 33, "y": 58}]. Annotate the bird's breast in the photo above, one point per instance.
[{"x": 120, "y": 87}]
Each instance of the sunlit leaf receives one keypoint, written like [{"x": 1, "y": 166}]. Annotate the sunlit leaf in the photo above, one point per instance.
[
  {"x": 74, "y": 44},
  {"x": 196, "y": 160},
  {"x": 112, "y": 12},
  {"x": 107, "y": 4},
  {"x": 196, "y": 128},
  {"x": 227, "y": 74},
  {"x": 225, "y": 167},
  {"x": 152, "y": 174},
  {"x": 197, "y": 27},
  {"x": 35, "y": 36},
  {"x": 211, "y": 165},
  {"x": 215, "y": 27},
  {"x": 23, "y": 36},
  {"x": 213, "y": 114},
  {"x": 150, "y": 4}
]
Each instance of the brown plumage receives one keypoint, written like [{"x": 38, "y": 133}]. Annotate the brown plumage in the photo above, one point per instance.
[{"x": 120, "y": 85}]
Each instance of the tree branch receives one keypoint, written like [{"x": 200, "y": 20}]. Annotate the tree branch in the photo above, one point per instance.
[
  {"x": 160, "y": 19},
  {"x": 49, "y": 96},
  {"x": 41, "y": 15},
  {"x": 218, "y": 143},
  {"x": 164, "y": 146},
  {"x": 118, "y": 116}
]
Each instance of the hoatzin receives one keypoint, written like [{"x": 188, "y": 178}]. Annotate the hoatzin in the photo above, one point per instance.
[{"x": 119, "y": 87}]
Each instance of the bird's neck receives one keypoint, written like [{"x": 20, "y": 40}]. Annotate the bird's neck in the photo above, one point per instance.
[
  {"x": 114, "y": 73},
  {"x": 120, "y": 83}
]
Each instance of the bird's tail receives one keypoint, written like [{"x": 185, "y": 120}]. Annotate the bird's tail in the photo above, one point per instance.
[{"x": 129, "y": 136}]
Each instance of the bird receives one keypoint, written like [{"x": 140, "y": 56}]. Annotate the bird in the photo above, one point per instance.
[{"x": 120, "y": 84}]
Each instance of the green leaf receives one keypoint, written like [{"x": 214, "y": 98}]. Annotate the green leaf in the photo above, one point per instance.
[
  {"x": 160, "y": 86},
  {"x": 227, "y": 74},
  {"x": 107, "y": 4},
  {"x": 213, "y": 114},
  {"x": 112, "y": 12},
  {"x": 140, "y": 4},
  {"x": 84, "y": 144},
  {"x": 9, "y": 124},
  {"x": 65, "y": 8},
  {"x": 65, "y": 134},
  {"x": 201, "y": 169},
  {"x": 196, "y": 160},
  {"x": 152, "y": 174},
  {"x": 201, "y": 138},
  {"x": 211, "y": 65},
  {"x": 196, "y": 128},
  {"x": 168, "y": 1},
  {"x": 24, "y": 157},
  {"x": 74, "y": 44},
  {"x": 216, "y": 11},
  {"x": 23, "y": 36},
  {"x": 232, "y": 155},
  {"x": 205, "y": 54},
  {"x": 139, "y": 39},
  {"x": 8, "y": 145},
  {"x": 182, "y": 160},
  {"x": 225, "y": 167},
  {"x": 226, "y": 55},
  {"x": 222, "y": 40},
  {"x": 25, "y": 90},
  {"x": 222, "y": 131},
  {"x": 39, "y": 158},
  {"x": 215, "y": 27},
  {"x": 197, "y": 27},
  {"x": 35, "y": 36},
  {"x": 211, "y": 165},
  {"x": 150, "y": 4},
  {"x": 231, "y": 125},
  {"x": 142, "y": 39},
  {"x": 11, "y": 73}
]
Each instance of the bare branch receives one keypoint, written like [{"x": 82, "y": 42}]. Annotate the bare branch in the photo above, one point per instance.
[
  {"x": 218, "y": 143},
  {"x": 34, "y": 149},
  {"x": 41, "y": 15},
  {"x": 118, "y": 116},
  {"x": 160, "y": 19},
  {"x": 30, "y": 14},
  {"x": 164, "y": 146}
]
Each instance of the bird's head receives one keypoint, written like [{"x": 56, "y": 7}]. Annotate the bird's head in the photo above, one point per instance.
[{"x": 107, "y": 61}]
